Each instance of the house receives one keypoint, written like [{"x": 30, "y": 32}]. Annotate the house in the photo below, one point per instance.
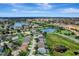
[
  {"x": 8, "y": 37},
  {"x": 42, "y": 50},
  {"x": 27, "y": 39},
  {"x": 35, "y": 25},
  {"x": 15, "y": 38},
  {"x": 76, "y": 22},
  {"x": 26, "y": 33},
  {"x": 41, "y": 45},
  {"x": 23, "y": 47}
]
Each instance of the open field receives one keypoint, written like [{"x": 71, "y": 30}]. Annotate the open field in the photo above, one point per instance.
[{"x": 54, "y": 40}]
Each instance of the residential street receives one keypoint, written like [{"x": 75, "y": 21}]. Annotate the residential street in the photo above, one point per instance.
[{"x": 32, "y": 47}]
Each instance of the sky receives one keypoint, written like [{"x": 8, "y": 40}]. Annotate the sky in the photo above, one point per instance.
[{"x": 39, "y": 10}]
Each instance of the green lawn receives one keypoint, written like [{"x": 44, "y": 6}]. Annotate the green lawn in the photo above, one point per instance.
[
  {"x": 65, "y": 32},
  {"x": 21, "y": 38},
  {"x": 53, "y": 40}
]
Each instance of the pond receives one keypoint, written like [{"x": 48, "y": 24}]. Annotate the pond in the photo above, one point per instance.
[{"x": 48, "y": 30}]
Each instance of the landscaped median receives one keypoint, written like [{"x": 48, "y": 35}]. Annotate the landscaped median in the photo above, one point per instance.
[{"x": 61, "y": 46}]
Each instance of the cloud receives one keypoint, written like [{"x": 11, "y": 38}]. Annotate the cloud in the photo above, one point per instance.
[
  {"x": 16, "y": 5},
  {"x": 14, "y": 10},
  {"x": 69, "y": 10},
  {"x": 44, "y": 5},
  {"x": 27, "y": 11},
  {"x": 34, "y": 11}
]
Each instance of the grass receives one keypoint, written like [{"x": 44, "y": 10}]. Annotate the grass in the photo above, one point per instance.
[
  {"x": 21, "y": 38},
  {"x": 53, "y": 40},
  {"x": 65, "y": 32}
]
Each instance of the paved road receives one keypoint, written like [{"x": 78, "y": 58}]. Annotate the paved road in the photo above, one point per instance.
[{"x": 32, "y": 48}]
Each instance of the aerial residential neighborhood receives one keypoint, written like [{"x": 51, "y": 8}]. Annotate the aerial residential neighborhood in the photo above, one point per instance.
[
  {"x": 39, "y": 29},
  {"x": 31, "y": 37}
]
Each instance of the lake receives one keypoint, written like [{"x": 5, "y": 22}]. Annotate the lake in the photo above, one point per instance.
[
  {"x": 20, "y": 24},
  {"x": 48, "y": 30}
]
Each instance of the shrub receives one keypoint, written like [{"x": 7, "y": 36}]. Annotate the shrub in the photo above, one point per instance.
[
  {"x": 23, "y": 53},
  {"x": 61, "y": 49},
  {"x": 77, "y": 37}
]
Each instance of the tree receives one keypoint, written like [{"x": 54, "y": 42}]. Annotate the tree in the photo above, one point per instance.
[
  {"x": 45, "y": 33},
  {"x": 77, "y": 37},
  {"x": 7, "y": 50},
  {"x": 23, "y": 53}
]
